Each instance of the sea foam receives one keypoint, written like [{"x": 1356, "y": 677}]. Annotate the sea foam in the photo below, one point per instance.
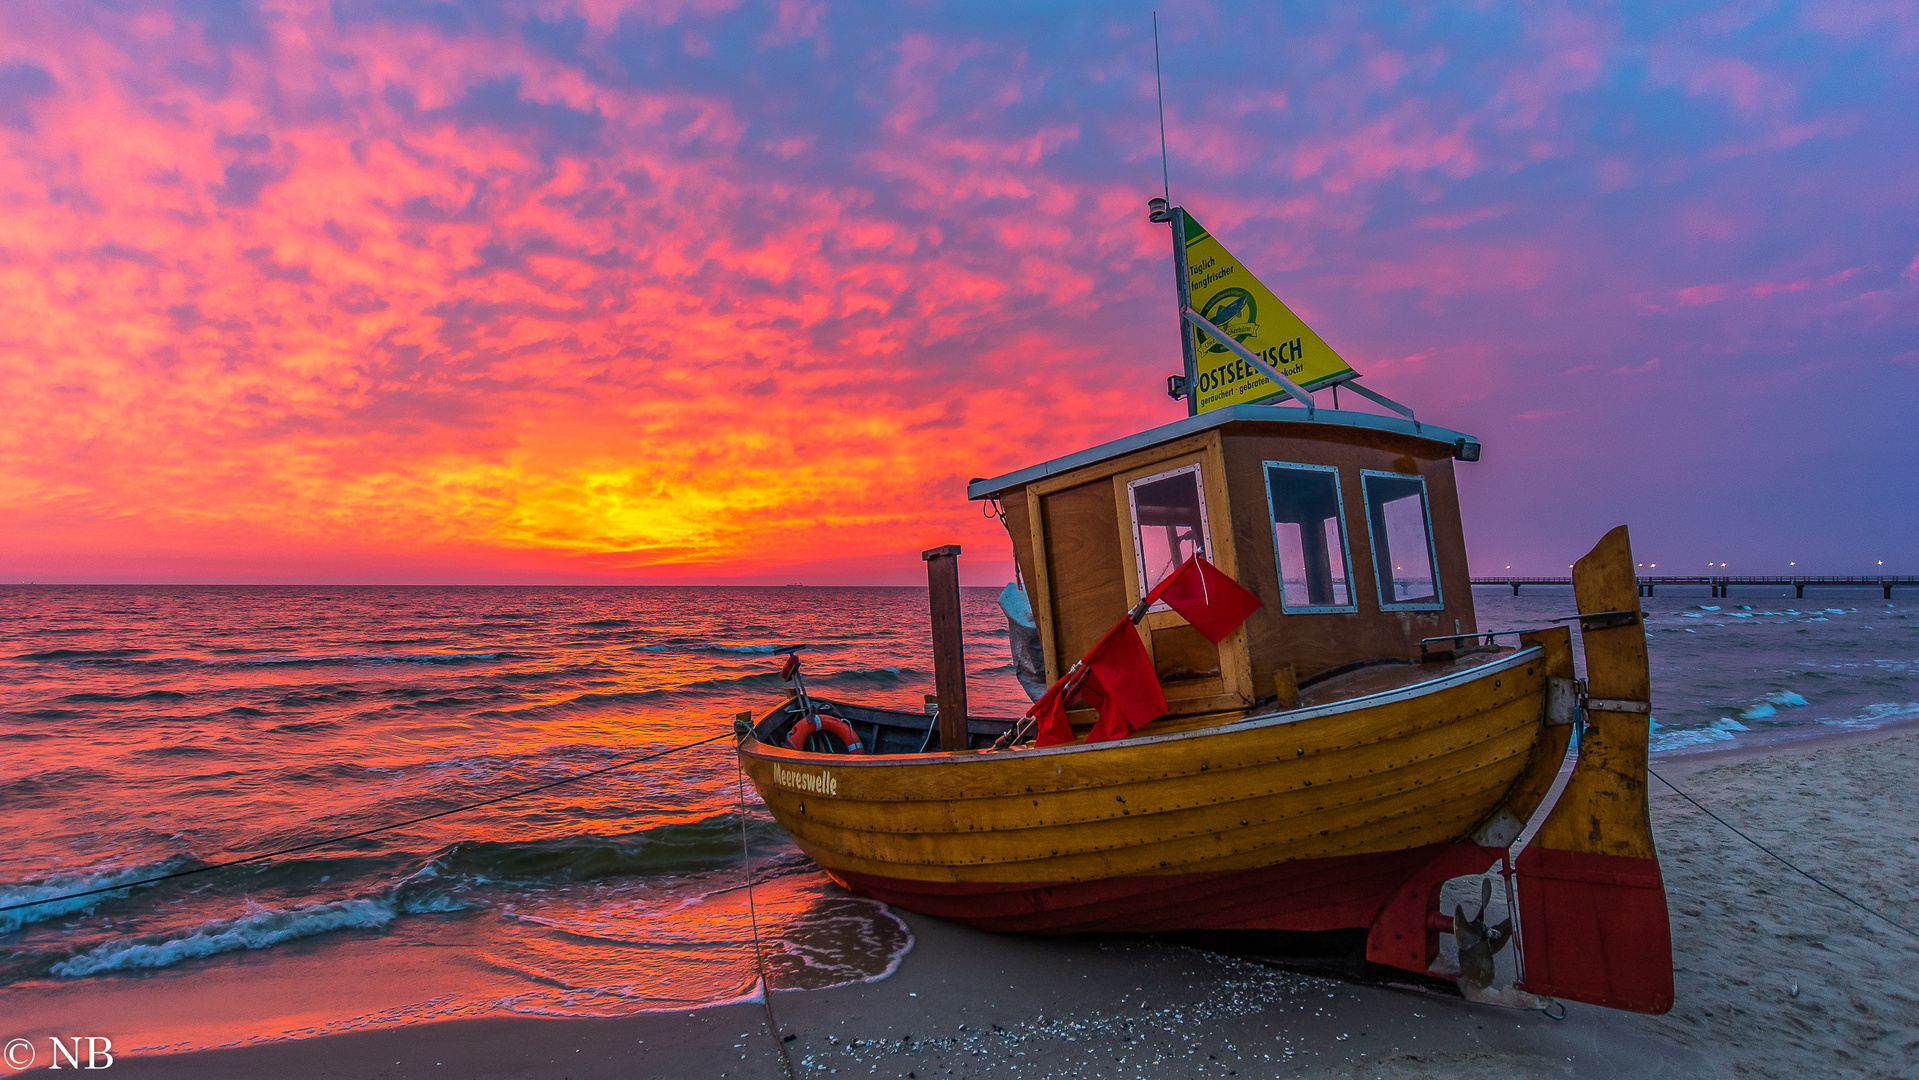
[{"x": 259, "y": 928}]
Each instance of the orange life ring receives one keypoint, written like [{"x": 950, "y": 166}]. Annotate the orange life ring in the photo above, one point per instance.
[{"x": 796, "y": 739}]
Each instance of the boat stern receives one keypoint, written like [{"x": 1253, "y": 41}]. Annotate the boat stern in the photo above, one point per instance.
[{"x": 1593, "y": 925}]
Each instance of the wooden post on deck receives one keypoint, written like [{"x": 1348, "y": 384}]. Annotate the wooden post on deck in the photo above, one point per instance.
[{"x": 949, "y": 648}]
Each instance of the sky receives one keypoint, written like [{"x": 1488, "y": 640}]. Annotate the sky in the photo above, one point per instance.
[{"x": 713, "y": 291}]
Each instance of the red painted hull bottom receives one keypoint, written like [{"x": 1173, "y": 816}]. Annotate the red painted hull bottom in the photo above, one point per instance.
[{"x": 1349, "y": 891}]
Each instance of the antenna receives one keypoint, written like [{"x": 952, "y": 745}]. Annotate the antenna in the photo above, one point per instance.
[{"x": 1160, "y": 89}]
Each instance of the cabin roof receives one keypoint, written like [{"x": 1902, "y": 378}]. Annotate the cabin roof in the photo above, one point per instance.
[{"x": 1455, "y": 442}]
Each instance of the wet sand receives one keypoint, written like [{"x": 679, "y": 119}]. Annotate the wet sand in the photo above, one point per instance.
[{"x": 1775, "y": 978}]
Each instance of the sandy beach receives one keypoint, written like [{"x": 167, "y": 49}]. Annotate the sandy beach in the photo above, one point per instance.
[{"x": 1776, "y": 978}]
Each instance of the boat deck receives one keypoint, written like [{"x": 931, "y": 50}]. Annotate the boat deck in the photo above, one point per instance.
[{"x": 1378, "y": 677}]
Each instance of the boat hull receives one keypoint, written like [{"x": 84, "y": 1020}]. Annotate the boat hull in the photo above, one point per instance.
[
  {"x": 1342, "y": 892},
  {"x": 1315, "y": 819}
]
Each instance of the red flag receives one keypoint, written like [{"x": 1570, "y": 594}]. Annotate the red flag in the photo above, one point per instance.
[
  {"x": 1117, "y": 678},
  {"x": 1050, "y": 710},
  {"x": 1121, "y": 682},
  {"x": 1205, "y": 597}
]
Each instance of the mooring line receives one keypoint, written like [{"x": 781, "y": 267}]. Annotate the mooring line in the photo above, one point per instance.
[
  {"x": 1782, "y": 859},
  {"x": 331, "y": 840},
  {"x": 753, "y": 917}
]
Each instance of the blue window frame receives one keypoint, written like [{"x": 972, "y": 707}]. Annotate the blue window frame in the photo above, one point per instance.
[
  {"x": 1309, "y": 538},
  {"x": 1399, "y": 529}
]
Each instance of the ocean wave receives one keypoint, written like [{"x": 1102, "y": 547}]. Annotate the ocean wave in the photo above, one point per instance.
[
  {"x": 83, "y": 654},
  {"x": 301, "y": 727},
  {"x": 341, "y": 659},
  {"x": 259, "y": 928},
  {"x": 150, "y": 695},
  {"x": 589, "y": 702},
  {"x": 675, "y": 848},
  {"x": 76, "y": 882},
  {"x": 706, "y": 647},
  {"x": 1882, "y": 713},
  {"x": 1778, "y": 699},
  {"x": 770, "y": 679},
  {"x": 131, "y": 658},
  {"x": 881, "y": 676},
  {"x": 45, "y": 714},
  {"x": 1720, "y": 730},
  {"x": 437, "y": 885}
]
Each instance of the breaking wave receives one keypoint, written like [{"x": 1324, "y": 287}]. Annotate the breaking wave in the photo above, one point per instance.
[
  {"x": 259, "y": 928},
  {"x": 65, "y": 884}
]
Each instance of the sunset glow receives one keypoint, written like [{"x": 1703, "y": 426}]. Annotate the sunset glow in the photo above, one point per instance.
[{"x": 582, "y": 290}]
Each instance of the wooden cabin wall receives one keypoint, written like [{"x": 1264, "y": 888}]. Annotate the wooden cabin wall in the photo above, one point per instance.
[
  {"x": 1087, "y": 582},
  {"x": 1315, "y": 641}
]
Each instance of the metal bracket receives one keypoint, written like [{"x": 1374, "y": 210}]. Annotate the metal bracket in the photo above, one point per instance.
[
  {"x": 1626, "y": 705},
  {"x": 1602, "y": 620},
  {"x": 1246, "y": 354}
]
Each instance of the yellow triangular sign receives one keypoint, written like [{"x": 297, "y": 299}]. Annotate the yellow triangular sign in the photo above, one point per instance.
[{"x": 1221, "y": 289}]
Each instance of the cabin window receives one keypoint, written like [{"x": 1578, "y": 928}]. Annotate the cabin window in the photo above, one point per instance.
[
  {"x": 1401, "y": 528},
  {"x": 1169, "y": 524},
  {"x": 1309, "y": 537}
]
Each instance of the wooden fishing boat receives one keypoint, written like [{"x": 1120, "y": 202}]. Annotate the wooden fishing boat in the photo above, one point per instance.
[{"x": 1328, "y": 765}]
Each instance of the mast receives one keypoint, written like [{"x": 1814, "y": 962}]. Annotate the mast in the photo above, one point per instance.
[{"x": 1161, "y": 210}]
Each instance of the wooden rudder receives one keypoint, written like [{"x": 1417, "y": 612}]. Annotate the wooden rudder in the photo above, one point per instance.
[{"x": 1592, "y": 905}]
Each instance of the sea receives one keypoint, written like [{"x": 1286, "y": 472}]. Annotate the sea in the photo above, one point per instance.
[{"x": 146, "y": 730}]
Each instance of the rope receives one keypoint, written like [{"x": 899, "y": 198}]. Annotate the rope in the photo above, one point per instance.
[
  {"x": 332, "y": 840},
  {"x": 1735, "y": 831},
  {"x": 753, "y": 916}
]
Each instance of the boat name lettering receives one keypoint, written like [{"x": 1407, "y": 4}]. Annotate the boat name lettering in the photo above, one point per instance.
[{"x": 819, "y": 783}]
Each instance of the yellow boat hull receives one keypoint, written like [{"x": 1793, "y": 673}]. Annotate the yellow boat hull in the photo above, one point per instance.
[{"x": 1310, "y": 819}]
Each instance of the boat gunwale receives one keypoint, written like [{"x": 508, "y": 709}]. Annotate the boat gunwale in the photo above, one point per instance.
[{"x": 772, "y": 752}]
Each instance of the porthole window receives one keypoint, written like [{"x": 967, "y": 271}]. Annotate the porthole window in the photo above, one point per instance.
[
  {"x": 1399, "y": 524},
  {"x": 1309, "y": 537},
  {"x": 1169, "y": 523}
]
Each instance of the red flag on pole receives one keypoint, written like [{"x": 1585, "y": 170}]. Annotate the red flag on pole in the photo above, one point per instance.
[
  {"x": 1050, "y": 711},
  {"x": 1117, "y": 678},
  {"x": 1204, "y": 596},
  {"x": 1122, "y": 683}
]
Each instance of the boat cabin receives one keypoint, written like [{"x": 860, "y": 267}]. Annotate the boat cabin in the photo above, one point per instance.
[{"x": 1345, "y": 524}]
